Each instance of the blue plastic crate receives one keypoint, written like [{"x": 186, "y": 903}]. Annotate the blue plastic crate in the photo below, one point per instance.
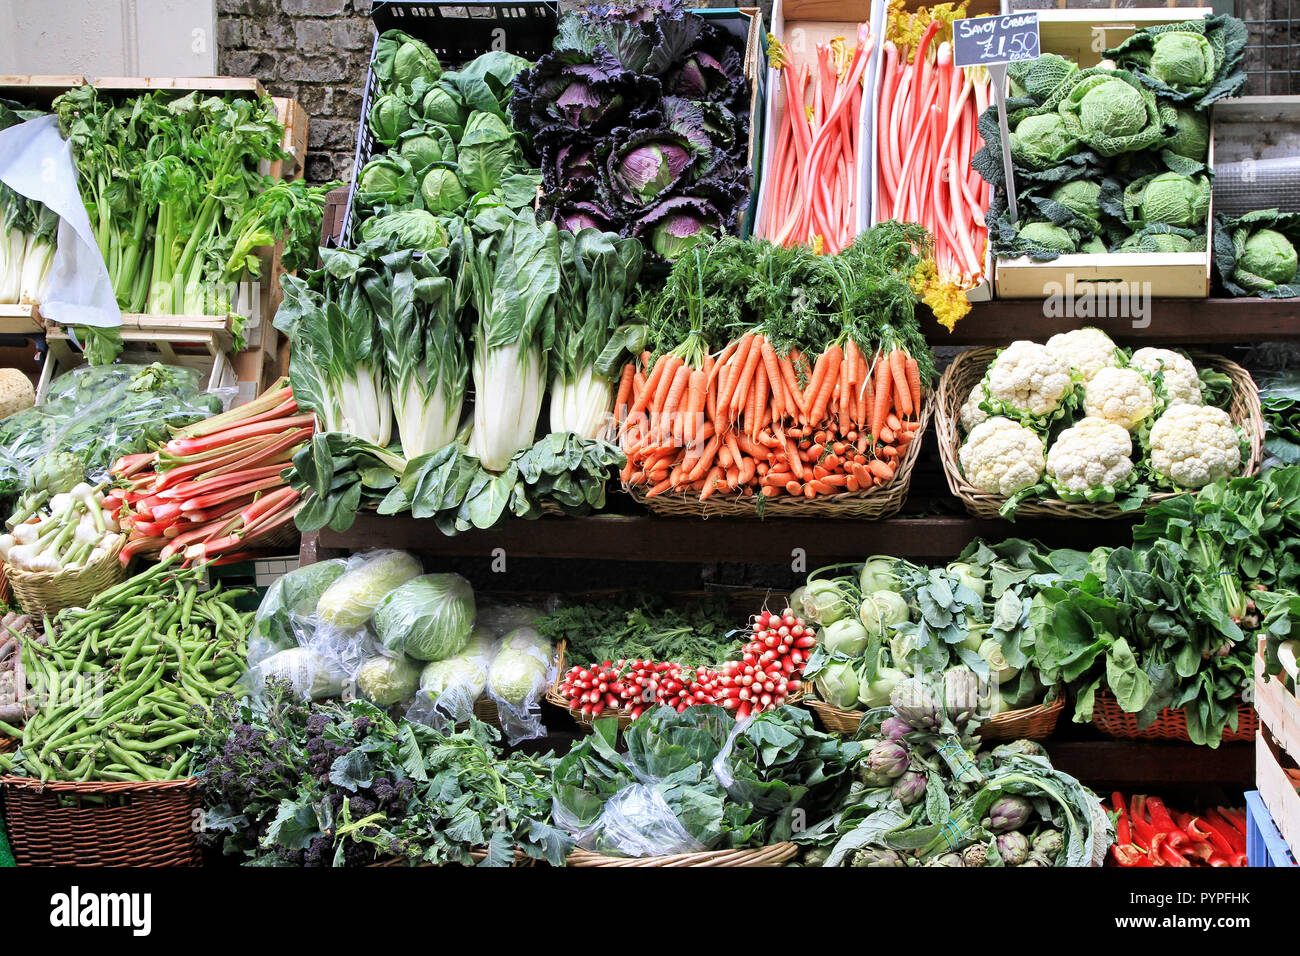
[{"x": 1264, "y": 845}]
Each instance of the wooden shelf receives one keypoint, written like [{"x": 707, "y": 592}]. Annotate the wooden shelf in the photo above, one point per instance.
[
  {"x": 748, "y": 540},
  {"x": 1148, "y": 766},
  {"x": 1171, "y": 322}
]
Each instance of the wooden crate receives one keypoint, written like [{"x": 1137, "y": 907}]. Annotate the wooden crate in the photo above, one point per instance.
[
  {"x": 261, "y": 361},
  {"x": 1277, "y": 751},
  {"x": 199, "y": 342},
  {"x": 1082, "y": 34},
  {"x": 20, "y": 320}
]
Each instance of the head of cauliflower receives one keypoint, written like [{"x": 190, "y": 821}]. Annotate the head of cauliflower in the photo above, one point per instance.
[
  {"x": 1001, "y": 457},
  {"x": 1194, "y": 445},
  {"x": 1091, "y": 461},
  {"x": 1174, "y": 370},
  {"x": 1026, "y": 380},
  {"x": 1087, "y": 351},
  {"x": 971, "y": 414},
  {"x": 1122, "y": 396}
]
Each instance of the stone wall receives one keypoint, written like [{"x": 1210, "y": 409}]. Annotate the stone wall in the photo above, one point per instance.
[{"x": 312, "y": 50}]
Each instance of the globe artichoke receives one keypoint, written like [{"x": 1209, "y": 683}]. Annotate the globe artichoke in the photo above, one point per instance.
[
  {"x": 961, "y": 692},
  {"x": 1010, "y": 812},
  {"x": 894, "y": 728},
  {"x": 1048, "y": 844},
  {"x": 876, "y": 856},
  {"x": 914, "y": 703},
  {"x": 888, "y": 758},
  {"x": 1013, "y": 847},
  {"x": 909, "y": 788},
  {"x": 975, "y": 855}
]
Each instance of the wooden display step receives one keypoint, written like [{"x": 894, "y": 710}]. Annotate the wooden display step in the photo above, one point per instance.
[
  {"x": 20, "y": 320},
  {"x": 614, "y": 537},
  {"x": 1170, "y": 322}
]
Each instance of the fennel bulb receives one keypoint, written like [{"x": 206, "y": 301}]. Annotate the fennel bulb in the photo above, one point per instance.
[
  {"x": 509, "y": 383},
  {"x": 582, "y": 405}
]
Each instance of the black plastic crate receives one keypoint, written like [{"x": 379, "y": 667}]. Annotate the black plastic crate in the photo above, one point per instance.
[{"x": 457, "y": 33}]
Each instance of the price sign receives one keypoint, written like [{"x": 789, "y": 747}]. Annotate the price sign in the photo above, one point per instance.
[
  {"x": 993, "y": 42},
  {"x": 984, "y": 41}
]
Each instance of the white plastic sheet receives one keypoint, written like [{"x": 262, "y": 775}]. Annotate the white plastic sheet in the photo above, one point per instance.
[{"x": 37, "y": 162}]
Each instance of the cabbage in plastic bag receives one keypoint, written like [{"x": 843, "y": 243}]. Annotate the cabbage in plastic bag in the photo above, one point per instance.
[
  {"x": 429, "y": 617},
  {"x": 386, "y": 680},
  {"x": 449, "y": 688},
  {"x": 282, "y": 615},
  {"x": 313, "y": 676},
  {"x": 519, "y": 675},
  {"x": 349, "y": 602}
]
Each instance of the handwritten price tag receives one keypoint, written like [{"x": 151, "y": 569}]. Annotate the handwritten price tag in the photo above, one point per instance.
[{"x": 985, "y": 41}]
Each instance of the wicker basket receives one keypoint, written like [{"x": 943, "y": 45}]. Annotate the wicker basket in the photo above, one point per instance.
[
  {"x": 778, "y": 854},
  {"x": 965, "y": 373},
  {"x": 880, "y": 502},
  {"x": 101, "y": 824},
  {"x": 41, "y": 593},
  {"x": 1170, "y": 723},
  {"x": 478, "y": 856},
  {"x": 1028, "y": 723},
  {"x": 4, "y": 583},
  {"x": 7, "y": 744},
  {"x": 585, "y": 721}
]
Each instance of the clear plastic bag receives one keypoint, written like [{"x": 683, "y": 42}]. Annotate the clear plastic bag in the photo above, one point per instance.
[
  {"x": 635, "y": 822},
  {"x": 449, "y": 688},
  {"x": 101, "y": 413},
  {"x": 313, "y": 676},
  {"x": 349, "y": 603},
  {"x": 520, "y": 673},
  {"x": 284, "y": 618}
]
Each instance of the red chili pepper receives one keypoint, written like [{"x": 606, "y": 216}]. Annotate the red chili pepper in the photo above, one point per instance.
[
  {"x": 1238, "y": 840},
  {"x": 1164, "y": 822},
  {"x": 1222, "y": 845},
  {"x": 1124, "y": 853},
  {"x": 1143, "y": 830},
  {"x": 1235, "y": 817}
]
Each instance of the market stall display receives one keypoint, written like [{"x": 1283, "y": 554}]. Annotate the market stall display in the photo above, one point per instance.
[
  {"x": 518, "y": 322},
  {"x": 28, "y": 232}
]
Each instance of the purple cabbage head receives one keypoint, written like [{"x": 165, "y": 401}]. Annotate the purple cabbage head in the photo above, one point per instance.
[{"x": 642, "y": 171}]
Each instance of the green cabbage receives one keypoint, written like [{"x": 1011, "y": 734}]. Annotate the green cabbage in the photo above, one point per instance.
[
  {"x": 1266, "y": 255},
  {"x": 349, "y": 602},
  {"x": 517, "y": 676},
  {"x": 442, "y": 192},
  {"x": 1042, "y": 77},
  {"x": 1184, "y": 61},
  {"x": 1156, "y": 242},
  {"x": 1112, "y": 112},
  {"x": 1193, "y": 137},
  {"x": 390, "y": 117},
  {"x": 462, "y": 674},
  {"x": 1080, "y": 196},
  {"x": 402, "y": 59},
  {"x": 1170, "y": 198},
  {"x": 428, "y": 618},
  {"x": 1039, "y": 232},
  {"x": 485, "y": 152},
  {"x": 1042, "y": 140},
  {"x": 386, "y": 680},
  {"x": 526, "y": 639},
  {"x": 311, "y": 674},
  {"x": 386, "y": 179},
  {"x": 412, "y": 228},
  {"x": 444, "y": 108},
  {"x": 424, "y": 145}
]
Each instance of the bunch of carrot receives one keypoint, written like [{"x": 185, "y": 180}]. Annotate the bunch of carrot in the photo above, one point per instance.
[
  {"x": 218, "y": 487},
  {"x": 813, "y": 196},
  {"x": 742, "y": 422},
  {"x": 926, "y": 133}
]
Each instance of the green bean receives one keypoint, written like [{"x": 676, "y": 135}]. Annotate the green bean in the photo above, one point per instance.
[{"x": 180, "y": 737}]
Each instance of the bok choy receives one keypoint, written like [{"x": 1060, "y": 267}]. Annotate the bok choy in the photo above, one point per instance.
[
  {"x": 514, "y": 275},
  {"x": 337, "y": 365},
  {"x": 27, "y": 232},
  {"x": 599, "y": 271}
]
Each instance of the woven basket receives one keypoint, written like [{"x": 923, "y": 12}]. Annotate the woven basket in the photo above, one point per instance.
[
  {"x": 776, "y": 855},
  {"x": 41, "y": 593},
  {"x": 965, "y": 373},
  {"x": 1170, "y": 723},
  {"x": 101, "y": 824},
  {"x": 4, "y": 583},
  {"x": 879, "y": 502},
  {"x": 1028, "y": 723},
  {"x": 7, "y": 744},
  {"x": 585, "y": 721},
  {"x": 478, "y": 856}
]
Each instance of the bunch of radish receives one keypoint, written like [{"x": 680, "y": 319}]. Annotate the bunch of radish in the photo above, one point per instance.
[
  {"x": 635, "y": 685},
  {"x": 770, "y": 665}
]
